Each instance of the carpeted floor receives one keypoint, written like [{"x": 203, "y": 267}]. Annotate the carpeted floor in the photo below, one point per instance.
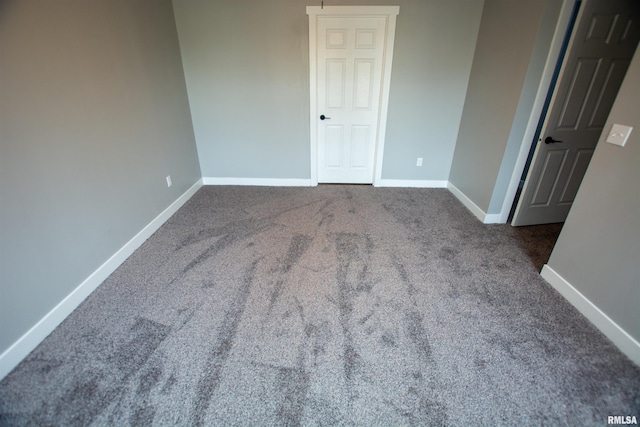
[
  {"x": 335, "y": 305},
  {"x": 537, "y": 241}
]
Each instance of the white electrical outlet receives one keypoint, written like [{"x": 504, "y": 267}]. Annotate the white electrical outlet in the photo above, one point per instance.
[
  {"x": 169, "y": 183},
  {"x": 619, "y": 134},
  {"x": 419, "y": 161}
]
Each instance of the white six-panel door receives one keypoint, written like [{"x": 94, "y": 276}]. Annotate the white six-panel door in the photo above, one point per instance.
[{"x": 347, "y": 94}]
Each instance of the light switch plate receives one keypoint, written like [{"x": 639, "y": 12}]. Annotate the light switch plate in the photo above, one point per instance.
[{"x": 619, "y": 134}]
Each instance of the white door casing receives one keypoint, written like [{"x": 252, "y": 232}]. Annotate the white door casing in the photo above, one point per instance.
[
  {"x": 599, "y": 53},
  {"x": 350, "y": 56}
]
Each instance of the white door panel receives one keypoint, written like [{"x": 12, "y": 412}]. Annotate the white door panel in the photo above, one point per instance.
[
  {"x": 350, "y": 58},
  {"x": 578, "y": 169},
  {"x": 553, "y": 163},
  {"x": 599, "y": 53}
]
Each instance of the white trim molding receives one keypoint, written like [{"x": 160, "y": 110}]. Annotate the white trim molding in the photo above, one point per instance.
[
  {"x": 262, "y": 182},
  {"x": 390, "y": 13},
  {"x": 475, "y": 209},
  {"x": 11, "y": 357},
  {"x": 625, "y": 342},
  {"x": 411, "y": 183}
]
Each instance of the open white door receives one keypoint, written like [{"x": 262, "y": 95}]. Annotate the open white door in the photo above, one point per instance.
[
  {"x": 350, "y": 51},
  {"x": 601, "y": 47}
]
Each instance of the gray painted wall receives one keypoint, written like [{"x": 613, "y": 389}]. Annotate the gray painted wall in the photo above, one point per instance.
[
  {"x": 93, "y": 116},
  {"x": 530, "y": 86},
  {"x": 506, "y": 42},
  {"x": 247, "y": 70},
  {"x": 598, "y": 249}
]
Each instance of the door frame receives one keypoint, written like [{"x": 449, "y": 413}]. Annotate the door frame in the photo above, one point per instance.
[
  {"x": 388, "y": 12},
  {"x": 562, "y": 25}
]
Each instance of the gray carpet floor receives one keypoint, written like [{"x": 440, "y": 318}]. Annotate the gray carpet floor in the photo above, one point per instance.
[
  {"x": 335, "y": 305},
  {"x": 537, "y": 241}
]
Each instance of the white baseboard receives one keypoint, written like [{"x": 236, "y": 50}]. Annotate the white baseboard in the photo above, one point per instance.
[
  {"x": 301, "y": 182},
  {"x": 411, "y": 183},
  {"x": 475, "y": 209},
  {"x": 625, "y": 342},
  {"x": 265, "y": 182},
  {"x": 493, "y": 219},
  {"x": 11, "y": 357}
]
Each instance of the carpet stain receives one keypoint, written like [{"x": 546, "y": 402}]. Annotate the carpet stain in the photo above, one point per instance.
[
  {"x": 87, "y": 393},
  {"x": 226, "y": 236},
  {"x": 142, "y": 416},
  {"x": 426, "y": 408},
  {"x": 220, "y": 244},
  {"x": 293, "y": 384},
  {"x": 299, "y": 245},
  {"x": 389, "y": 340},
  {"x": 418, "y": 335},
  {"x": 210, "y": 379},
  {"x": 208, "y": 284},
  {"x": 404, "y": 276},
  {"x": 168, "y": 385},
  {"x": 277, "y": 290},
  {"x": 353, "y": 253},
  {"x": 95, "y": 390},
  {"x": 147, "y": 335},
  {"x": 352, "y": 362},
  {"x": 149, "y": 378},
  {"x": 326, "y": 216},
  {"x": 319, "y": 337}
]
